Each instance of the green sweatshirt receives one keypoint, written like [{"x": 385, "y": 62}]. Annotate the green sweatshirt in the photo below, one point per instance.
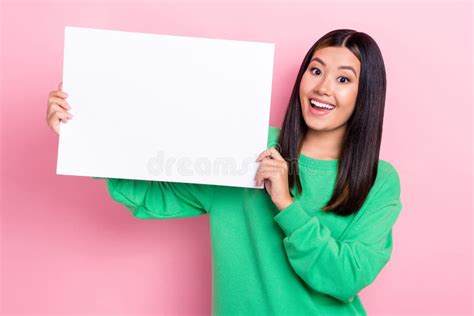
[{"x": 298, "y": 261}]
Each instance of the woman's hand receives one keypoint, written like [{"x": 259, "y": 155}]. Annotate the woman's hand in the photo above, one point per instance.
[
  {"x": 273, "y": 172},
  {"x": 57, "y": 109}
]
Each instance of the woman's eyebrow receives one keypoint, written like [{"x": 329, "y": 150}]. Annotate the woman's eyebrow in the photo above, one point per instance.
[{"x": 340, "y": 67}]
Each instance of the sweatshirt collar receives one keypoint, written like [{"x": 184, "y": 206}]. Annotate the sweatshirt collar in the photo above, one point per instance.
[{"x": 313, "y": 163}]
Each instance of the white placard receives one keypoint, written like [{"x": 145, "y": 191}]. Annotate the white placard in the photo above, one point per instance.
[{"x": 164, "y": 107}]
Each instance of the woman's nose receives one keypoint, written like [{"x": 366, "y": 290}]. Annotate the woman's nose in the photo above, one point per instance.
[{"x": 323, "y": 86}]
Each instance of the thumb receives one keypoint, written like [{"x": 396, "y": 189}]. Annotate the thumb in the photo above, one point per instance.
[{"x": 60, "y": 87}]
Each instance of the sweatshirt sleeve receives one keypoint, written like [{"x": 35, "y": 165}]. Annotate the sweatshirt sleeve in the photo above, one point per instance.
[
  {"x": 342, "y": 267},
  {"x": 159, "y": 199}
]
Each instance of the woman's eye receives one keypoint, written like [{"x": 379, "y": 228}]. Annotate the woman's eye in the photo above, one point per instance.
[
  {"x": 318, "y": 72},
  {"x": 315, "y": 69},
  {"x": 346, "y": 80}
]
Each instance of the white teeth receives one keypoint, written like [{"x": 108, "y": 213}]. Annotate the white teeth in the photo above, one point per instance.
[{"x": 321, "y": 105}]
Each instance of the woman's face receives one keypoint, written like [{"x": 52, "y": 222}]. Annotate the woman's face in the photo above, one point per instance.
[{"x": 332, "y": 77}]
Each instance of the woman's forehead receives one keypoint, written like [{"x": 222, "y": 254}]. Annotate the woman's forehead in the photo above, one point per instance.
[{"x": 335, "y": 56}]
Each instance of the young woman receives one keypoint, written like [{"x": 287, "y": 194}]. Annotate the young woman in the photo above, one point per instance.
[{"x": 321, "y": 231}]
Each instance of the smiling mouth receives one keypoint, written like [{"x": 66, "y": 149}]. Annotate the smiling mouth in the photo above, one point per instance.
[{"x": 321, "y": 106}]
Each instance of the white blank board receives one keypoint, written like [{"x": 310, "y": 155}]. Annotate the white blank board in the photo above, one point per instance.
[{"x": 164, "y": 107}]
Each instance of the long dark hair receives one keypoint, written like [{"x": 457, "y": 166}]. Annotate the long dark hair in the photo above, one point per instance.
[{"x": 358, "y": 161}]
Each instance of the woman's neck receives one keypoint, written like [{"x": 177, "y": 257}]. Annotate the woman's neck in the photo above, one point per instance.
[{"x": 323, "y": 145}]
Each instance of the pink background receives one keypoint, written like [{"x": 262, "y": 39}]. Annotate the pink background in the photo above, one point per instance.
[{"x": 68, "y": 249}]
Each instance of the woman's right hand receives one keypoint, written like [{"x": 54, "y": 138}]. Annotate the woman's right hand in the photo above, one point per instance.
[{"x": 57, "y": 109}]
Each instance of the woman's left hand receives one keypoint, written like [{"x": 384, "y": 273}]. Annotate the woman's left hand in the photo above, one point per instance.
[{"x": 273, "y": 172}]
